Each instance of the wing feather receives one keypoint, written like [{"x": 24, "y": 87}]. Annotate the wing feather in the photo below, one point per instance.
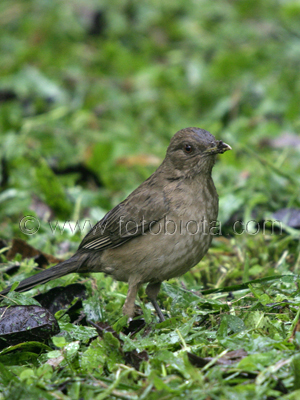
[{"x": 130, "y": 218}]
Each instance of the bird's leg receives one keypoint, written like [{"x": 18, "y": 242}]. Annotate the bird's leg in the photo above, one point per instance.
[
  {"x": 129, "y": 307},
  {"x": 152, "y": 292}
]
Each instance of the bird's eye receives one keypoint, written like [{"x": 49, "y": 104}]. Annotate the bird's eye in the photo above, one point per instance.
[{"x": 188, "y": 148}]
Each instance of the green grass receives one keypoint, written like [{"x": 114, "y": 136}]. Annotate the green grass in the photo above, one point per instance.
[{"x": 110, "y": 103}]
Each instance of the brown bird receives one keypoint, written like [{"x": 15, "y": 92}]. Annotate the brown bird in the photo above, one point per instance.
[{"x": 160, "y": 231}]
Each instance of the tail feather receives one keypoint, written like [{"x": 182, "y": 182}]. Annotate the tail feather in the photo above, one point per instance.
[{"x": 57, "y": 271}]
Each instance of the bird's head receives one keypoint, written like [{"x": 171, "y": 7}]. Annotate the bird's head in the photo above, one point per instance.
[{"x": 192, "y": 151}]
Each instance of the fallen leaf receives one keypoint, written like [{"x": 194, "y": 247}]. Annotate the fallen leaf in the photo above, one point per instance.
[
  {"x": 229, "y": 358},
  {"x": 19, "y": 246},
  {"x": 26, "y": 323},
  {"x": 139, "y": 159},
  {"x": 289, "y": 216},
  {"x": 61, "y": 297}
]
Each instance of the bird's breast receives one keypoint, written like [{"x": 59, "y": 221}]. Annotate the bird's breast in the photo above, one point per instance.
[
  {"x": 172, "y": 245},
  {"x": 187, "y": 230}
]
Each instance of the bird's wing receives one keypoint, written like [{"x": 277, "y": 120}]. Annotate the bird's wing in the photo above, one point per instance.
[{"x": 143, "y": 207}]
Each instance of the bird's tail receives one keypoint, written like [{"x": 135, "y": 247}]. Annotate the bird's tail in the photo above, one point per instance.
[{"x": 57, "y": 271}]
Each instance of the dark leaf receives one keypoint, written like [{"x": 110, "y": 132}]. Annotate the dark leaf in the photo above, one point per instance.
[
  {"x": 85, "y": 174},
  {"x": 3, "y": 244},
  {"x": 103, "y": 327},
  {"x": 25, "y": 323},
  {"x": 4, "y": 174},
  {"x": 197, "y": 361},
  {"x": 232, "y": 357},
  {"x": 134, "y": 358},
  {"x": 98, "y": 23},
  {"x": 61, "y": 297},
  {"x": 229, "y": 358},
  {"x": 11, "y": 270},
  {"x": 7, "y": 95},
  {"x": 134, "y": 327},
  {"x": 230, "y": 296},
  {"x": 279, "y": 306},
  {"x": 289, "y": 216},
  {"x": 41, "y": 260}
]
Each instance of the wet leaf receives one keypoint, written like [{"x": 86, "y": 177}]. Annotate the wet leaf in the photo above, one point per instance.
[
  {"x": 61, "y": 297},
  {"x": 25, "y": 323}
]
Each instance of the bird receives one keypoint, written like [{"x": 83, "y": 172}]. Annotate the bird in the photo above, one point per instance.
[{"x": 160, "y": 231}]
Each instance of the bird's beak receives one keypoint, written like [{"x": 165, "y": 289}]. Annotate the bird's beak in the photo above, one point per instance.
[{"x": 220, "y": 147}]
